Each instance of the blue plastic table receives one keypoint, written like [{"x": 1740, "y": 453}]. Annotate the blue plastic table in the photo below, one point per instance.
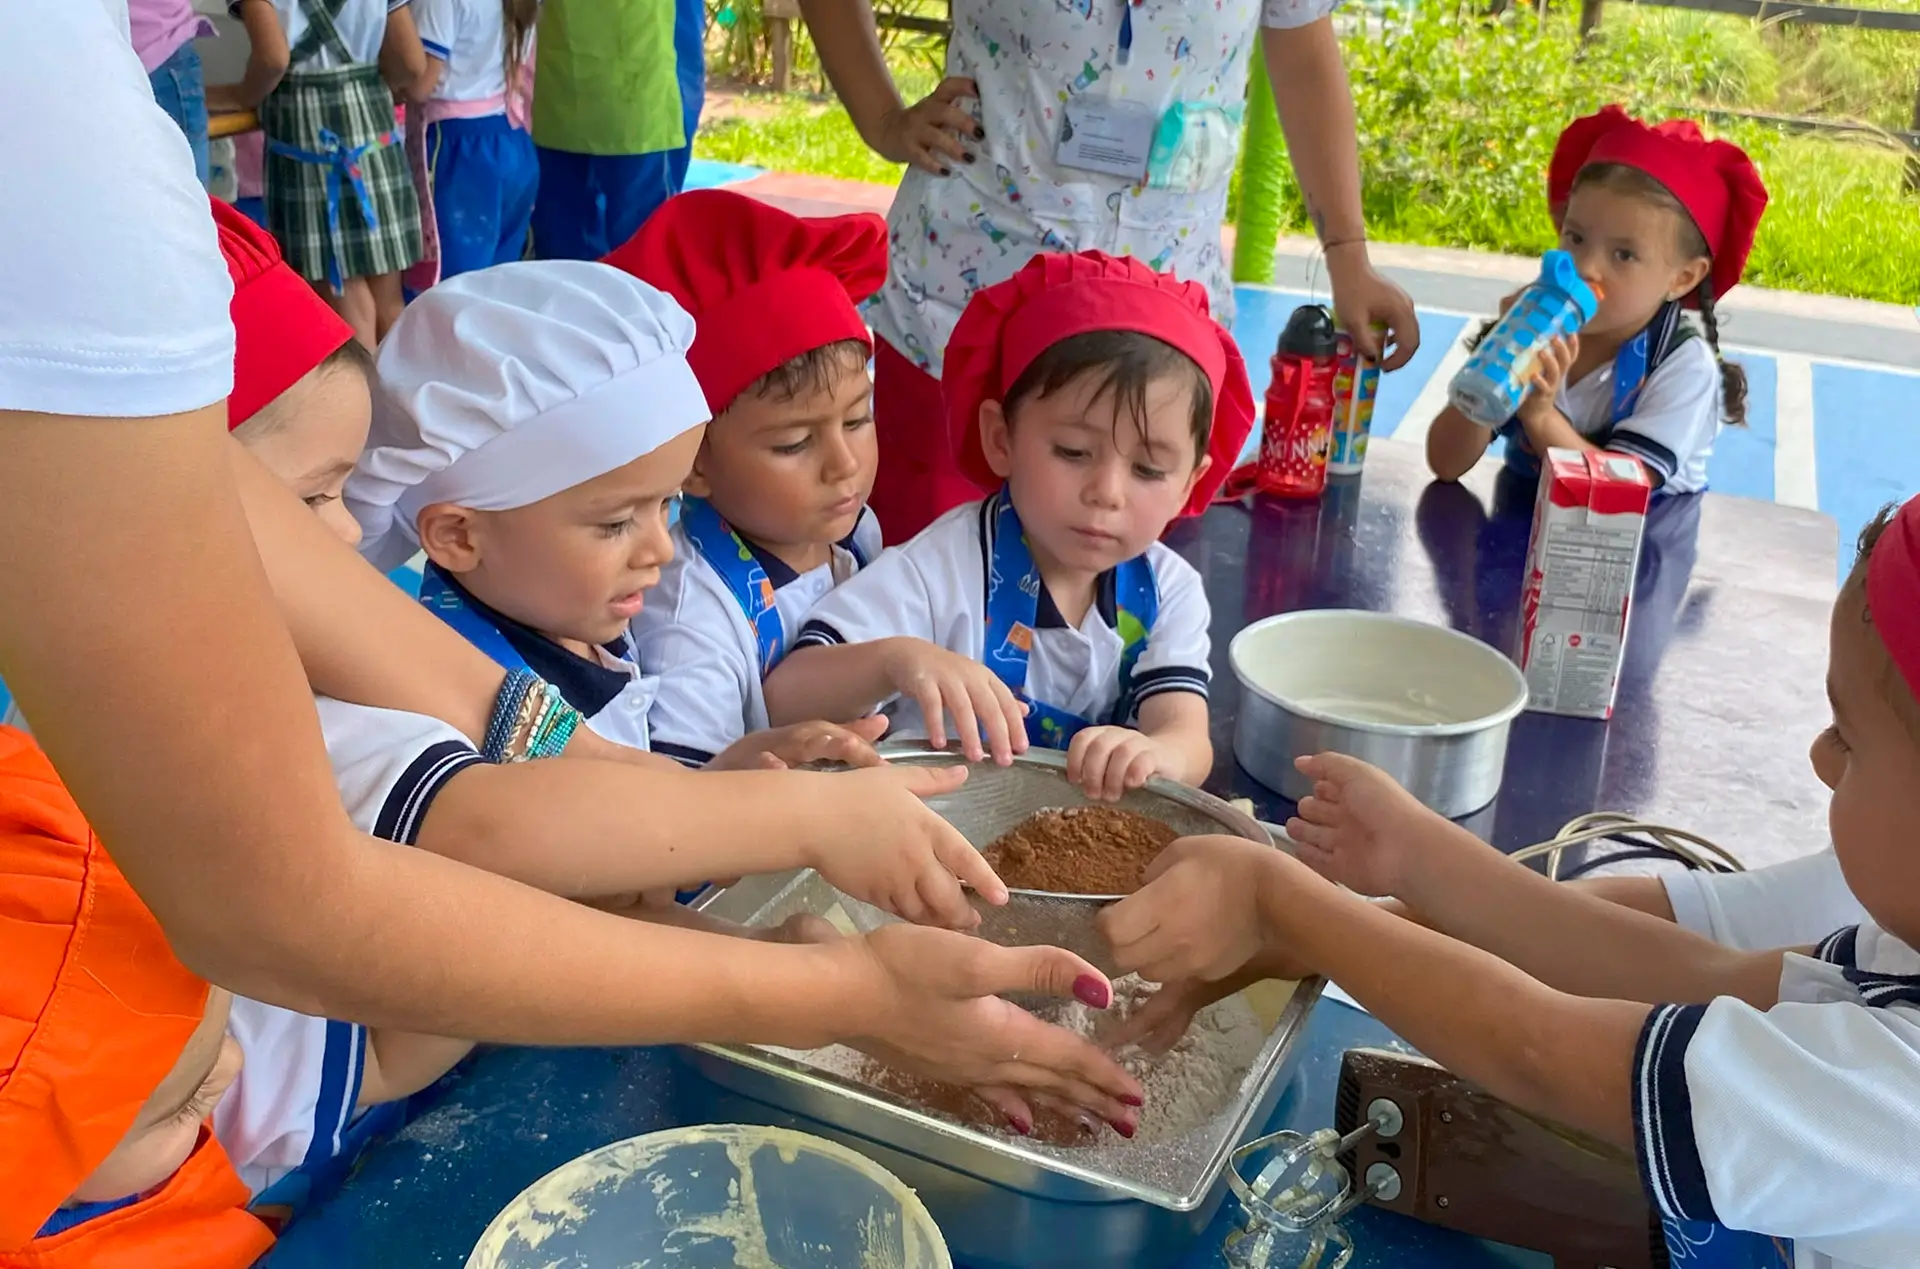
[{"x": 1722, "y": 693}]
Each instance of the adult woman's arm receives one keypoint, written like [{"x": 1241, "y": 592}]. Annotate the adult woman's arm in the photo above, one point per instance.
[
  {"x": 927, "y": 134},
  {"x": 1316, "y": 112}
]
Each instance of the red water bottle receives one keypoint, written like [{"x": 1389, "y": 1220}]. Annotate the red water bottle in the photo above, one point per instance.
[{"x": 1299, "y": 419}]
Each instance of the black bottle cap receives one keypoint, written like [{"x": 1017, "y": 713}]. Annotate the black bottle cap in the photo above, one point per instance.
[{"x": 1309, "y": 333}]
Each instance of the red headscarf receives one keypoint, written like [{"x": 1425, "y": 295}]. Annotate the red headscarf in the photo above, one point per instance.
[
  {"x": 94, "y": 1013},
  {"x": 1714, "y": 180},
  {"x": 281, "y": 329},
  {"x": 1893, "y": 591},
  {"x": 764, "y": 286},
  {"x": 1007, "y": 326}
]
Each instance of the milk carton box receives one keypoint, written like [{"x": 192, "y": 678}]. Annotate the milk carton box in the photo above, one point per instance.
[{"x": 1587, "y": 524}]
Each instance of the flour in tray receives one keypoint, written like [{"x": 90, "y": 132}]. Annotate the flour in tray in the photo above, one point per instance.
[{"x": 1185, "y": 1087}]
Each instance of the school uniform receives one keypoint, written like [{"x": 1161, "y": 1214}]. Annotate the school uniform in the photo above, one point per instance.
[
  {"x": 339, "y": 194},
  {"x": 1798, "y": 1121},
  {"x": 968, "y": 584},
  {"x": 475, "y": 158},
  {"x": 609, "y": 689},
  {"x": 1794, "y": 904},
  {"x": 1659, "y": 400},
  {"x": 622, "y": 83},
  {"x": 710, "y": 635},
  {"x": 290, "y": 1121}
]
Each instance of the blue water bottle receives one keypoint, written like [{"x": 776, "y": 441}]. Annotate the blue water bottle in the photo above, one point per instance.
[{"x": 1491, "y": 385}]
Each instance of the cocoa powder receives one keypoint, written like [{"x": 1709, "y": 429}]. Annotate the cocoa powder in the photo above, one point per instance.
[{"x": 1080, "y": 850}]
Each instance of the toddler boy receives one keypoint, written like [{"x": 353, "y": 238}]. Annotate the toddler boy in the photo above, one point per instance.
[
  {"x": 775, "y": 515},
  {"x": 1107, "y": 401}
]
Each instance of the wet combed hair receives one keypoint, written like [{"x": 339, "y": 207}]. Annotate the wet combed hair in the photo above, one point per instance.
[
  {"x": 1635, "y": 183},
  {"x": 1126, "y": 363},
  {"x": 1853, "y": 593},
  {"x": 815, "y": 370},
  {"x": 270, "y": 418}
]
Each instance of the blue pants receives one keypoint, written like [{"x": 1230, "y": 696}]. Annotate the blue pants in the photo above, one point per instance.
[
  {"x": 180, "y": 90},
  {"x": 485, "y": 174},
  {"x": 591, "y": 203}
]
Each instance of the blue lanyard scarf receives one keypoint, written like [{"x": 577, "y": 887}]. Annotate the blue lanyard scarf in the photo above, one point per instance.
[
  {"x": 443, "y": 600},
  {"x": 743, "y": 575},
  {"x": 1013, "y": 605},
  {"x": 1700, "y": 1245}
]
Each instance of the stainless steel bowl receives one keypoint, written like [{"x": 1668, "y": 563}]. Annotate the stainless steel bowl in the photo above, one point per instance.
[
  {"x": 996, "y": 799},
  {"x": 1429, "y": 706}
]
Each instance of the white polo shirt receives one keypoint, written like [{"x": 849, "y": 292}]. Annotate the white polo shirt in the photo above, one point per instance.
[
  {"x": 470, "y": 36},
  {"x": 934, "y": 588},
  {"x": 1801, "y": 1121},
  {"x": 362, "y": 25},
  {"x": 695, "y": 638},
  {"x": 1673, "y": 424},
  {"x": 296, "y": 1095},
  {"x": 1786, "y": 905}
]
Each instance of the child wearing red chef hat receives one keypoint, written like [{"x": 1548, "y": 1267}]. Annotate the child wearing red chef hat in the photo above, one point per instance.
[
  {"x": 1658, "y": 219},
  {"x": 1107, "y": 401},
  {"x": 112, "y": 1056},
  {"x": 775, "y": 514}
]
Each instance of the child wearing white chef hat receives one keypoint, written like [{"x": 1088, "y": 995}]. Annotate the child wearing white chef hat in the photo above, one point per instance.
[{"x": 532, "y": 425}]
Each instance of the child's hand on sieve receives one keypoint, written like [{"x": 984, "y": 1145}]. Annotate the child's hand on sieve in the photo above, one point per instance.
[
  {"x": 1358, "y": 827},
  {"x": 1106, "y": 762},
  {"x": 777, "y": 748},
  {"x": 872, "y": 836},
  {"x": 1199, "y": 914},
  {"x": 947, "y": 685}
]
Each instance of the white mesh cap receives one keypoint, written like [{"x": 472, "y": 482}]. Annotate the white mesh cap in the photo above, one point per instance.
[{"x": 503, "y": 386}]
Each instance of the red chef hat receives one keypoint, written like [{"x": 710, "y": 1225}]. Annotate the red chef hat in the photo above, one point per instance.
[
  {"x": 764, "y": 286},
  {"x": 281, "y": 329},
  {"x": 1714, "y": 180},
  {"x": 1055, "y": 296},
  {"x": 1893, "y": 591}
]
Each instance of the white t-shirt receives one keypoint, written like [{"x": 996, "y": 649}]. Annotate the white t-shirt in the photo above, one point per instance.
[
  {"x": 1794, "y": 904},
  {"x": 294, "y": 1100},
  {"x": 694, "y": 636},
  {"x": 934, "y": 588},
  {"x": 115, "y": 292},
  {"x": 1674, "y": 423},
  {"x": 362, "y": 25},
  {"x": 1800, "y": 1121},
  {"x": 470, "y": 36}
]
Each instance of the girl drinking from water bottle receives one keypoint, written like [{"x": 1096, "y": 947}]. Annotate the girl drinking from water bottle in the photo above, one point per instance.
[{"x": 1657, "y": 219}]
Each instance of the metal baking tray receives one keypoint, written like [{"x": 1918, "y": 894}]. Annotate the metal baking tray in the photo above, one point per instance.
[{"x": 1002, "y": 1202}]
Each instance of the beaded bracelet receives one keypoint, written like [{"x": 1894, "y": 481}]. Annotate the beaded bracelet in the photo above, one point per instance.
[
  {"x": 520, "y": 685},
  {"x": 555, "y": 731}
]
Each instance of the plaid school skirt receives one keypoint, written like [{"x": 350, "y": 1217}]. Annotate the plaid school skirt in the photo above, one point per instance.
[{"x": 339, "y": 195}]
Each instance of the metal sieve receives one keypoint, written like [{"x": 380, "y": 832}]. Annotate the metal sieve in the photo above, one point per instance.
[{"x": 996, "y": 799}]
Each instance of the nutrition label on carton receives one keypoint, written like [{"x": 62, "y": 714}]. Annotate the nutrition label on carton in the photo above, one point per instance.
[{"x": 1589, "y": 569}]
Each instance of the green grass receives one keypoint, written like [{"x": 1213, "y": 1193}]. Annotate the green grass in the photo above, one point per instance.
[{"x": 1458, "y": 115}]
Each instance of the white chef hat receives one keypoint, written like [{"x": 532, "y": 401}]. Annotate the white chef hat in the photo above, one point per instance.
[{"x": 503, "y": 386}]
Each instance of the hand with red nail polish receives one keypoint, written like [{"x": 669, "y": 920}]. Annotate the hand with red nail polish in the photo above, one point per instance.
[{"x": 935, "y": 1010}]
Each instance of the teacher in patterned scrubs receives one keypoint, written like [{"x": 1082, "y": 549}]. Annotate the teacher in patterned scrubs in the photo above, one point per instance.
[{"x": 1066, "y": 125}]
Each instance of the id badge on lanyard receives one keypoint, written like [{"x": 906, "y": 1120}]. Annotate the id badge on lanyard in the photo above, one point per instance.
[{"x": 1102, "y": 133}]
